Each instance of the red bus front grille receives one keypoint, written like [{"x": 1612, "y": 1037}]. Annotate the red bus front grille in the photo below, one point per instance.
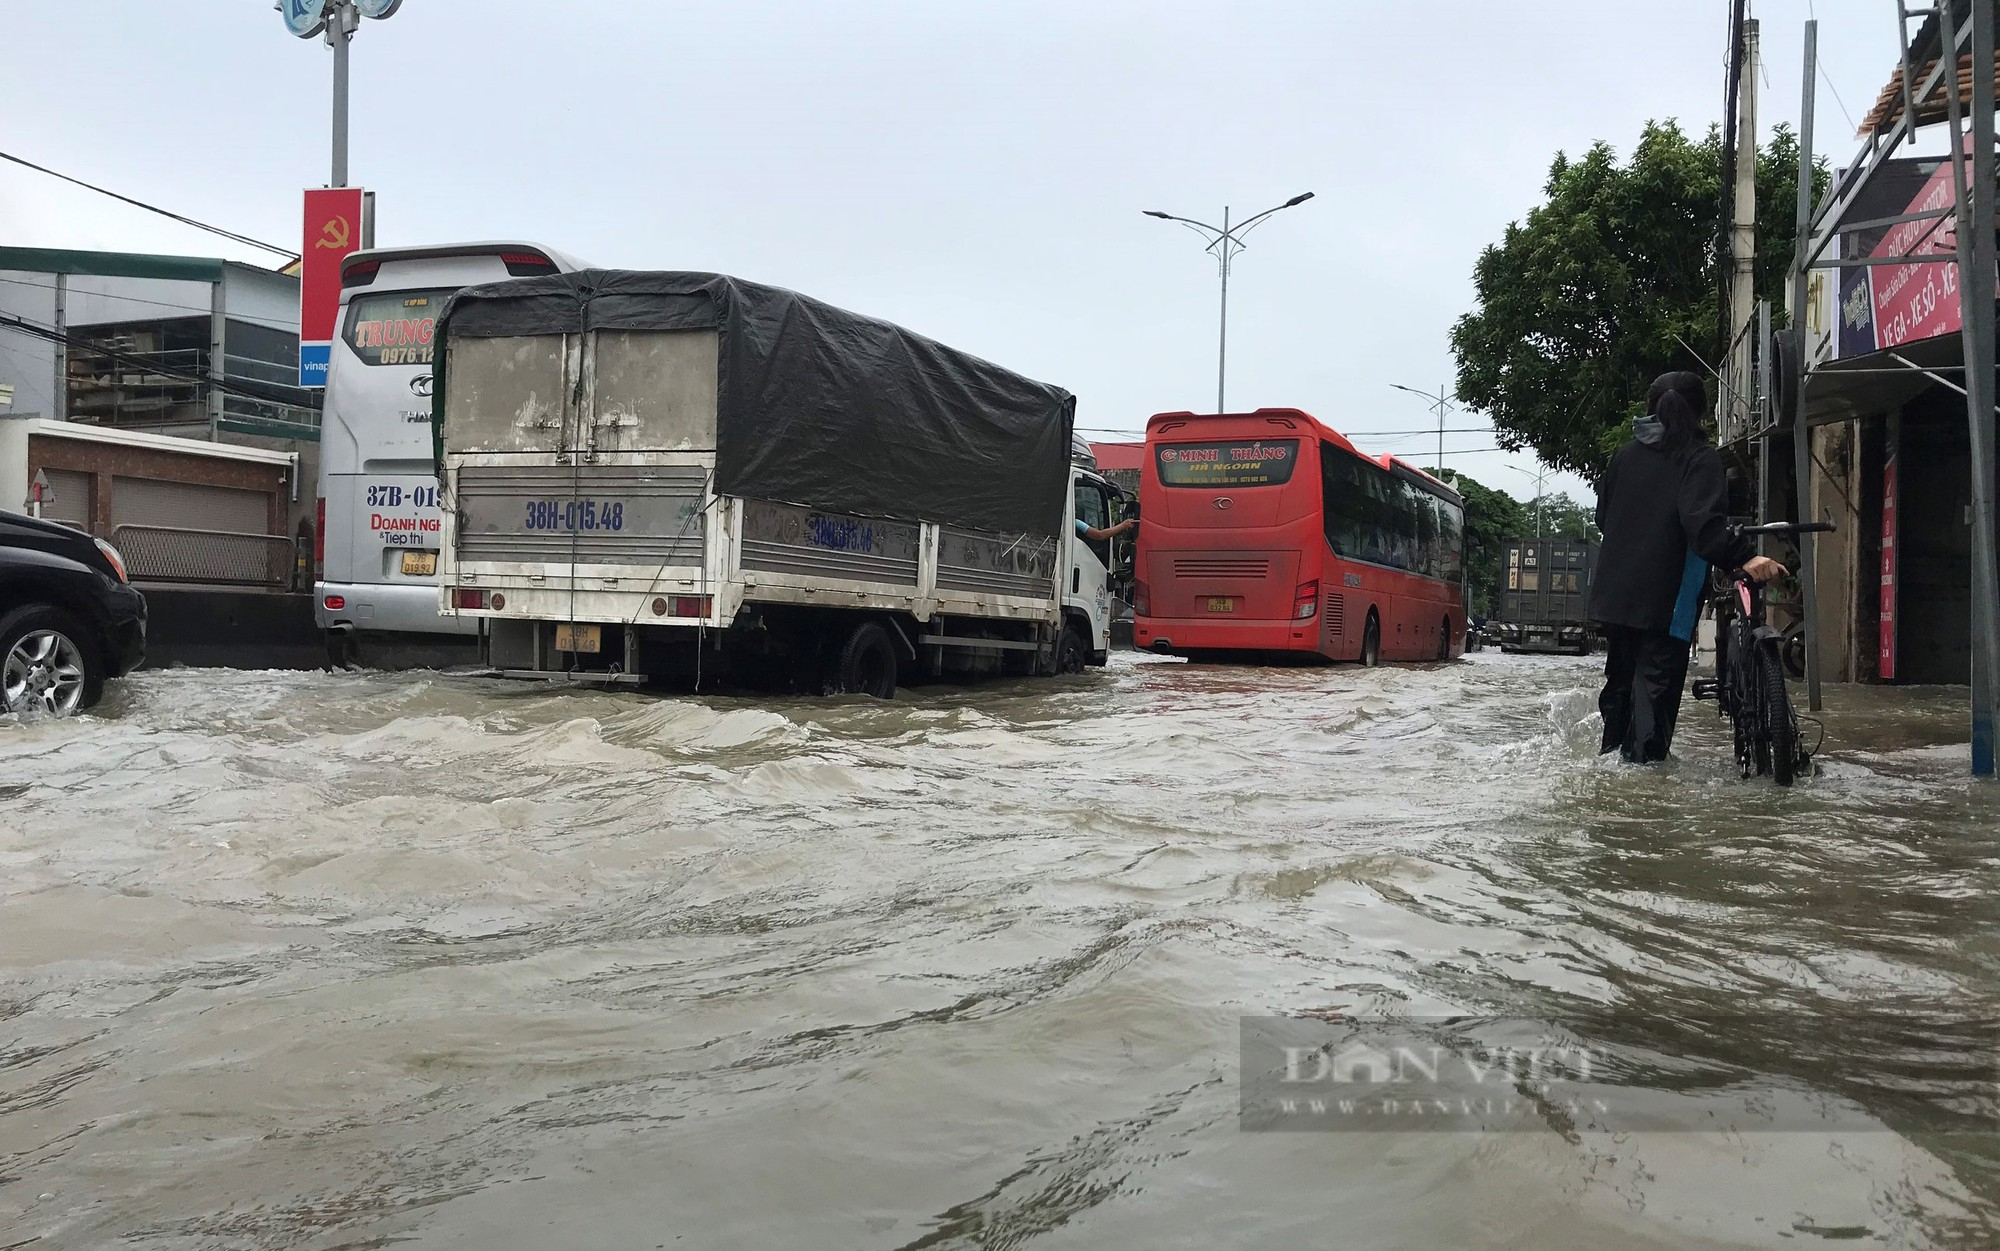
[{"x": 1222, "y": 567}]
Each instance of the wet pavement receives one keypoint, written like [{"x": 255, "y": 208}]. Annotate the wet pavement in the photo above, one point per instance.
[{"x": 340, "y": 961}]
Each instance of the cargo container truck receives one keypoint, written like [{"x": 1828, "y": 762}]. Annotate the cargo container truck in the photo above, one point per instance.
[
  {"x": 1545, "y": 596},
  {"x": 663, "y": 474}
]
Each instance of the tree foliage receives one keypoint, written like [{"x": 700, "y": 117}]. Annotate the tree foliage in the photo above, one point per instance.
[
  {"x": 1491, "y": 518},
  {"x": 1610, "y": 283},
  {"x": 1560, "y": 517}
]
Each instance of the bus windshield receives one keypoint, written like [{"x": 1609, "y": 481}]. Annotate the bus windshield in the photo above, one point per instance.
[{"x": 1230, "y": 463}]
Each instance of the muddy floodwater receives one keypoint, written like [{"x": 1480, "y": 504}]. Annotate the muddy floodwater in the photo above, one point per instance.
[{"x": 341, "y": 961}]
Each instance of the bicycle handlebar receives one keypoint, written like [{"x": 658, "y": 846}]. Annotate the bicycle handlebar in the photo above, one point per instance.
[{"x": 1788, "y": 527}]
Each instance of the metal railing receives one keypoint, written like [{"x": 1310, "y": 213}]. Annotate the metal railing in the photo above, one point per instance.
[{"x": 205, "y": 557}]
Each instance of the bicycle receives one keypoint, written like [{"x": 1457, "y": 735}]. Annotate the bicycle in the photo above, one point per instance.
[{"x": 1749, "y": 686}]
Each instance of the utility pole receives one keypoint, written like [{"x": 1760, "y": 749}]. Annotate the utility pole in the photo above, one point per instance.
[
  {"x": 1226, "y": 241},
  {"x": 1743, "y": 234}
]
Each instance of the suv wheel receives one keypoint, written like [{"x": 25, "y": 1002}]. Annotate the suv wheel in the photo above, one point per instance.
[{"x": 45, "y": 663}]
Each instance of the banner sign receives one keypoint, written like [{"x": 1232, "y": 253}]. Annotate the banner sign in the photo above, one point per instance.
[
  {"x": 1919, "y": 301},
  {"x": 333, "y": 230},
  {"x": 1887, "y": 306}
]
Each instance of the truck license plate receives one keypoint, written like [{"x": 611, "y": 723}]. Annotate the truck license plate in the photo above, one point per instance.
[
  {"x": 420, "y": 564},
  {"x": 1221, "y": 603},
  {"x": 579, "y": 638}
]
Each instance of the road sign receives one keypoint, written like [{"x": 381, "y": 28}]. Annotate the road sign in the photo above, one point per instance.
[
  {"x": 304, "y": 18},
  {"x": 335, "y": 226},
  {"x": 378, "y": 8}
]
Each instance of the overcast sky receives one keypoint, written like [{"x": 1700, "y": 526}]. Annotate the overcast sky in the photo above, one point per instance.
[{"x": 973, "y": 169}]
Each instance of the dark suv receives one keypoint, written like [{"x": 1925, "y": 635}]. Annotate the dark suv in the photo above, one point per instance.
[{"x": 69, "y": 621}]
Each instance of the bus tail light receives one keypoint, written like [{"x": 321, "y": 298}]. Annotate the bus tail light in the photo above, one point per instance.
[
  {"x": 360, "y": 273},
  {"x": 319, "y": 535},
  {"x": 334, "y": 603},
  {"x": 1305, "y": 601},
  {"x": 1142, "y": 599},
  {"x": 691, "y": 605},
  {"x": 469, "y": 597}
]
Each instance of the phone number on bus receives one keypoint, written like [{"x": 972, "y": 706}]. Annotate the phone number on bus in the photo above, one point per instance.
[{"x": 575, "y": 515}]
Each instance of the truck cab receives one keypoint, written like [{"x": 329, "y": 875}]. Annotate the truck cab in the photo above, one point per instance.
[{"x": 1086, "y": 595}]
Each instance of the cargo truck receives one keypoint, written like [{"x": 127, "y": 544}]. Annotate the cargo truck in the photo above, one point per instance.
[
  {"x": 1545, "y": 596},
  {"x": 670, "y": 474}
]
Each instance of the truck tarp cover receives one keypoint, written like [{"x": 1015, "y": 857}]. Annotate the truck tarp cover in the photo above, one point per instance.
[{"x": 819, "y": 406}]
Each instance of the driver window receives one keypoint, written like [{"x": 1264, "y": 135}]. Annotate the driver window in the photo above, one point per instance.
[{"x": 1090, "y": 505}]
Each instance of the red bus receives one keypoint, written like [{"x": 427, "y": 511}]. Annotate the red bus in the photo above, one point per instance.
[{"x": 1267, "y": 532}]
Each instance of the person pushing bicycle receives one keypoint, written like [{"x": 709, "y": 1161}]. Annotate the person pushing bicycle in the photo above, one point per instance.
[{"x": 1663, "y": 508}]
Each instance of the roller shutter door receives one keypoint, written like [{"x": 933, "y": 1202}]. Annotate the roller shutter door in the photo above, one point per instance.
[{"x": 71, "y": 505}]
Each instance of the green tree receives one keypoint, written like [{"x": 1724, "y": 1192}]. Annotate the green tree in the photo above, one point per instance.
[
  {"x": 1613, "y": 281},
  {"x": 1491, "y": 518},
  {"x": 1560, "y": 517}
]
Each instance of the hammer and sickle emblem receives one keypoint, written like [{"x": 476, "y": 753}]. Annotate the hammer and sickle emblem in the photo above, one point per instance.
[{"x": 334, "y": 235}]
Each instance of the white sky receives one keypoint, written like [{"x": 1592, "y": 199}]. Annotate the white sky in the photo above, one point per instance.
[{"x": 973, "y": 169}]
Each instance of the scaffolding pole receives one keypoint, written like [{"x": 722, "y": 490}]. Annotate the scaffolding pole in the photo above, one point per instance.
[
  {"x": 1977, "y": 278},
  {"x": 1796, "y": 383}
]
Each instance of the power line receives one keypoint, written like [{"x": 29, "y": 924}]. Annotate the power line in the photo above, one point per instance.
[
  {"x": 1828, "y": 80},
  {"x": 287, "y": 253},
  {"x": 133, "y": 299}
]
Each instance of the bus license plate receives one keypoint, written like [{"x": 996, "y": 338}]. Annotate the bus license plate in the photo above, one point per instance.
[
  {"x": 579, "y": 638},
  {"x": 420, "y": 564},
  {"x": 1221, "y": 603}
]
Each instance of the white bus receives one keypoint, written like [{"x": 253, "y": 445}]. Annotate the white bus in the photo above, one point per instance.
[{"x": 376, "y": 534}]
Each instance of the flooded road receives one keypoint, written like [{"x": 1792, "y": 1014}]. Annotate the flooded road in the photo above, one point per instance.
[{"x": 325, "y": 961}]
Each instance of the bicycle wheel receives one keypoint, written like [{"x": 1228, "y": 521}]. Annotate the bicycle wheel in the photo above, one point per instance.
[{"x": 1780, "y": 740}]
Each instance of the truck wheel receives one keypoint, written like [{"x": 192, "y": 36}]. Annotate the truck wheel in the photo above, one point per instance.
[
  {"x": 867, "y": 664},
  {"x": 1070, "y": 652},
  {"x": 47, "y": 663},
  {"x": 1371, "y": 642}
]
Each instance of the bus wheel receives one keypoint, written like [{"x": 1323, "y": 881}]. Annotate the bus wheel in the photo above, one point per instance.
[
  {"x": 867, "y": 663},
  {"x": 1444, "y": 640},
  {"x": 1371, "y": 641}
]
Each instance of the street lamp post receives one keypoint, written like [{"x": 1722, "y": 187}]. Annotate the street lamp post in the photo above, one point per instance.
[
  {"x": 1225, "y": 241},
  {"x": 338, "y": 20},
  {"x": 1540, "y": 472},
  {"x": 1441, "y": 401}
]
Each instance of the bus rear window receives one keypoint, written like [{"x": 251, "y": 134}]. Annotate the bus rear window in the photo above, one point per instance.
[
  {"x": 393, "y": 327},
  {"x": 1237, "y": 463}
]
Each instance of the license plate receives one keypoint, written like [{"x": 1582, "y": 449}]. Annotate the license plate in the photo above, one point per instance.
[
  {"x": 420, "y": 564},
  {"x": 1221, "y": 603},
  {"x": 579, "y": 638}
]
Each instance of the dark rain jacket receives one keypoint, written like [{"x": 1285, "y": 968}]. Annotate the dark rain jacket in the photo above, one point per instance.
[{"x": 1655, "y": 508}]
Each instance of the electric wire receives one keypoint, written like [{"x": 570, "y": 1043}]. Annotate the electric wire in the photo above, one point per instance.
[{"x": 183, "y": 219}]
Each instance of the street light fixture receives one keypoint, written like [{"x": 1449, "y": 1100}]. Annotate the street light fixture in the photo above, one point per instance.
[
  {"x": 1226, "y": 241},
  {"x": 1539, "y": 473},
  {"x": 1441, "y": 401}
]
